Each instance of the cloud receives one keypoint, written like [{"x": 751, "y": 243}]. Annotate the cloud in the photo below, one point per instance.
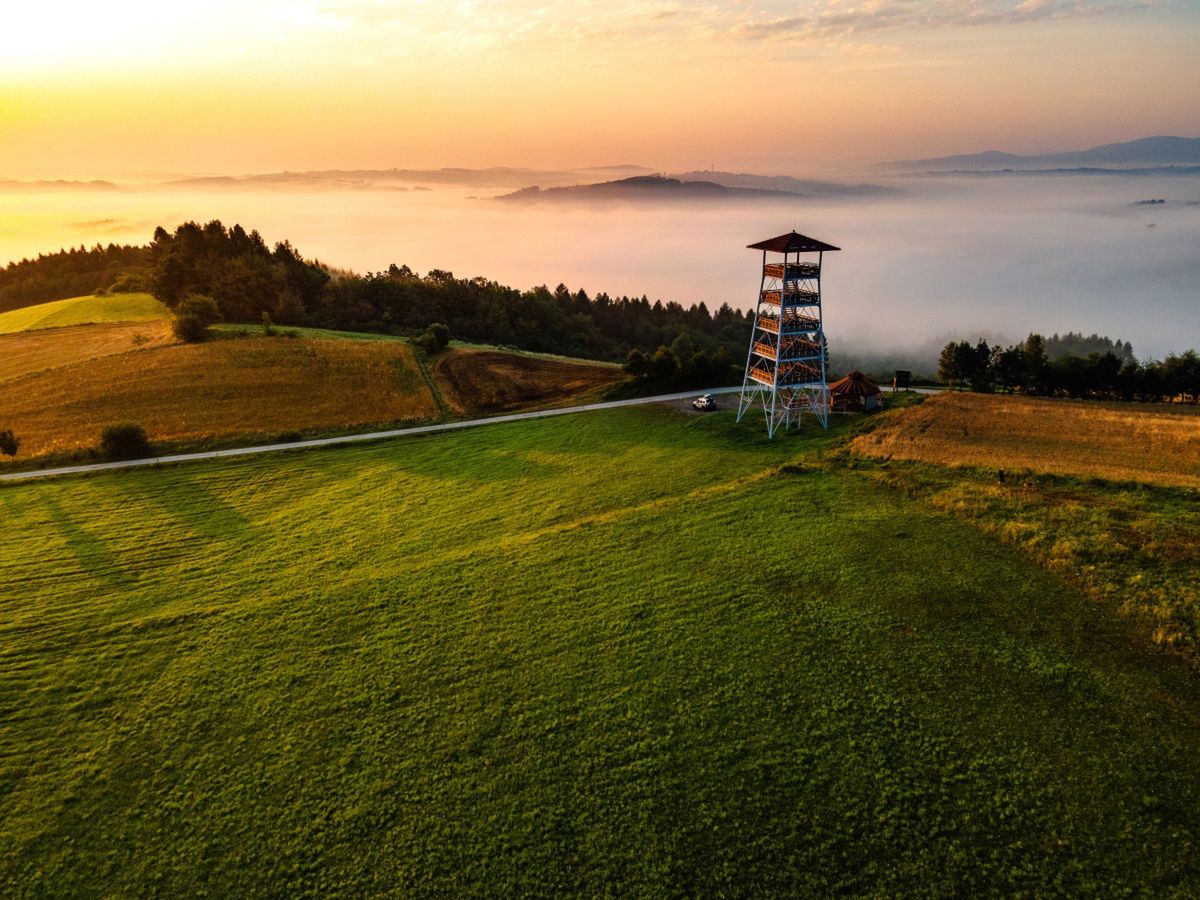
[{"x": 838, "y": 19}]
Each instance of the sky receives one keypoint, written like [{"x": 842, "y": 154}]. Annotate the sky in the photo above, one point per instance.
[{"x": 129, "y": 88}]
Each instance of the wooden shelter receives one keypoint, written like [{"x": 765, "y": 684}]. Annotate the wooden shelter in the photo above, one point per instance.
[{"x": 855, "y": 393}]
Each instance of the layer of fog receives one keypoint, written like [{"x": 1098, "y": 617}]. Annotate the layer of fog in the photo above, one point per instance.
[{"x": 951, "y": 257}]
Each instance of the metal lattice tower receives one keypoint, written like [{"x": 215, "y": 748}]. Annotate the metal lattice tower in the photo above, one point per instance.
[{"x": 785, "y": 366}]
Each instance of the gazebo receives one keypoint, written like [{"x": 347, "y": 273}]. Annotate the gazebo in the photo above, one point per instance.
[{"x": 855, "y": 393}]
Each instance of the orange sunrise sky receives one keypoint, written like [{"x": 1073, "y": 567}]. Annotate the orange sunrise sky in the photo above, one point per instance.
[{"x": 128, "y": 88}]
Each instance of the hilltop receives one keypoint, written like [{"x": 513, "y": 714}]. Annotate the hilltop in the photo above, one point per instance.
[
  {"x": 86, "y": 310},
  {"x": 696, "y": 186}
]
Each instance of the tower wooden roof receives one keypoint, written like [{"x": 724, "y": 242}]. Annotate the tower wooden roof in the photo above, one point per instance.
[
  {"x": 856, "y": 384},
  {"x": 792, "y": 243}
]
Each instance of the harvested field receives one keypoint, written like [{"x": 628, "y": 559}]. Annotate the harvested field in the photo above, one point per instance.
[
  {"x": 26, "y": 352},
  {"x": 1116, "y": 441},
  {"x": 485, "y": 381},
  {"x": 190, "y": 392},
  {"x": 83, "y": 311}
]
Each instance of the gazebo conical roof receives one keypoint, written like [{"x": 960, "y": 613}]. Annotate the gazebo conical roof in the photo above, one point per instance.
[
  {"x": 792, "y": 243},
  {"x": 856, "y": 384}
]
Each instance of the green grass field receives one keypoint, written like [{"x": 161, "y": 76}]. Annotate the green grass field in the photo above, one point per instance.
[
  {"x": 613, "y": 653},
  {"x": 83, "y": 311}
]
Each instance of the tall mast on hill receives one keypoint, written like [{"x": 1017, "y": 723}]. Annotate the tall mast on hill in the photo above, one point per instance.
[{"x": 785, "y": 366}]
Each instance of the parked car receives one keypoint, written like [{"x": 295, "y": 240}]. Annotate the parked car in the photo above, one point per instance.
[{"x": 705, "y": 402}]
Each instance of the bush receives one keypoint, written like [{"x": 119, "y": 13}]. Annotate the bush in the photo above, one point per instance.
[
  {"x": 193, "y": 316},
  {"x": 635, "y": 363},
  {"x": 125, "y": 441},
  {"x": 100, "y": 292},
  {"x": 190, "y": 329},
  {"x": 128, "y": 283},
  {"x": 9, "y": 443},
  {"x": 662, "y": 366},
  {"x": 435, "y": 338},
  {"x": 267, "y": 328}
]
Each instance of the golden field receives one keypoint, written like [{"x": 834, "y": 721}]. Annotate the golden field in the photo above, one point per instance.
[
  {"x": 215, "y": 390},
  {"x": 1116, "y": 441},
  {"x": 27, "y": 352},
  {"x": 60, "y": 387}
]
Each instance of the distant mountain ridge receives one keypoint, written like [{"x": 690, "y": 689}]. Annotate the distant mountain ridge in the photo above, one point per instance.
[
  {"x": 403, "y": 179},
  {"x": 803, "y": 187},
  {"x": 697, "y": 186},
  {"x": 1163, "y": 150}
]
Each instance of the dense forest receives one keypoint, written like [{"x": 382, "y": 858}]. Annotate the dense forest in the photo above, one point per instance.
[{"x": 1029, "y": 368}]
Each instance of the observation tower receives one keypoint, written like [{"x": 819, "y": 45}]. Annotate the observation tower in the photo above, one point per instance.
[{"x": 785, "y": 367}]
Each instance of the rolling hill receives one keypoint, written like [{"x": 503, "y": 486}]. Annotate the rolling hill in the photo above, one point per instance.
[
  {"x": 59, "y": 387},
  {"x": 1146, "y": 152},
  {"x": 695, "y": 186},
  {"x": 82, "y": 311}
]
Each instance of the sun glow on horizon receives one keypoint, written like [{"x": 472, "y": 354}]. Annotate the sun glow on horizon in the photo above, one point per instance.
[{"x": 137, "y": 85}]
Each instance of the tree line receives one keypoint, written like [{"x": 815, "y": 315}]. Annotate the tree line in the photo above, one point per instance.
[
  {"x": 247, "y": 279},
  {"x": 1030, "y": 369},
  {"x": 73, "y": 273}
]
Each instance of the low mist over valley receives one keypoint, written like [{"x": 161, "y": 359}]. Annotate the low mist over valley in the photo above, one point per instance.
[{"x": 924, "y": 258}]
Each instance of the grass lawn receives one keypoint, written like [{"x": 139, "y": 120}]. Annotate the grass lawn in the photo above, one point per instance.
[
  {"x": 83, "y": 311},
  {"x": 614, "y": 653}
]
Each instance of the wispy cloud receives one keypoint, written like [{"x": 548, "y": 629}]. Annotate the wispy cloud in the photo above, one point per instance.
[{"x": 841, "y": 19}]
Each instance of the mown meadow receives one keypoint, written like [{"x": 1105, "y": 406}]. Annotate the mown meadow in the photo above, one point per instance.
[{"x": 629, "y": 652}]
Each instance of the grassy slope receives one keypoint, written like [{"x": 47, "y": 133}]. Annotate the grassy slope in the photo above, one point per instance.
[
  {"x": 1149, "y": 442},
  {"x": 83, "y": 311},
  {"x": 571, "y": 655},
  {"x": 1104, "y": 493},
  {"x": 60, "y": 387},
  {"x": 28, "y": 352},
  {"x": 248, "y": 388}
]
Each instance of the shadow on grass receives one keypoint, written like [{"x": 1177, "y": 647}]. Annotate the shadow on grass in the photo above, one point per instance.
[
  {"x": 186, "y": 500},
  {"x": 90, "y": 551}
]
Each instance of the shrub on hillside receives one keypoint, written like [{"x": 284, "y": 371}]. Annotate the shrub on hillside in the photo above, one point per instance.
[
  {"x": 193, "y": 316},
  {"x": 635, "y": 363},
  {"x": 9, "y": 443},
  {"x": 435, "y": 338},
  {"x": 129, "y": 283},
  {"x": 663, "y": 365},
  {"x": 125, "y": 441}
]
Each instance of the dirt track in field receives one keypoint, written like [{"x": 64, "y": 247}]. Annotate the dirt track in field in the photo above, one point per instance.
[{"x": 486, "y": 381}]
